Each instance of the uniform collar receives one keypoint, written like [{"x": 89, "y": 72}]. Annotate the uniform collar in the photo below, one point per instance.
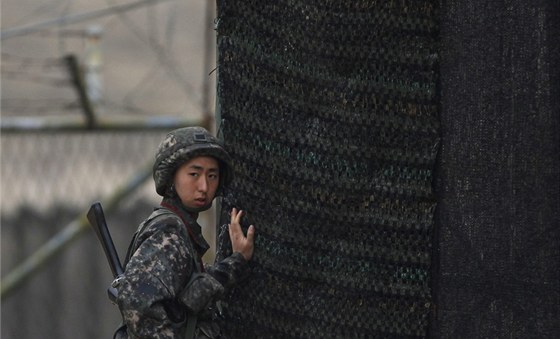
[{"x": 189, "y": 219}]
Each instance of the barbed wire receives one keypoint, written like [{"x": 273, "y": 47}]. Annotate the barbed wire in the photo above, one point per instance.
[
  {"x": 43, "y": 79},
  {"x": 45, "y": 71},
  {"x": 162, "y": 51},
  {"x": 24, "y": 62},
  {"x": 67, "y": 20},
  {"x": 44, "y": 7},
  {"x": 51, "y": 72},
  {"x": 38, "y": 106}
]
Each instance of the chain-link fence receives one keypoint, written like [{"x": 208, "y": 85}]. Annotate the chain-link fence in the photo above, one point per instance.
[
  {"x": 42, "y": 170},
  {"x": 47, "y": 180}
]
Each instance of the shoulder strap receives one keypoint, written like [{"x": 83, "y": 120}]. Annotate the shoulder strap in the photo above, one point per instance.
[
  {"x": 133, "y": 243},
  {"x": 155, "y": 214}
]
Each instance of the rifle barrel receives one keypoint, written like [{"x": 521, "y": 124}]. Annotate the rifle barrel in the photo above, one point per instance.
[{"x": 96, "y": 218}]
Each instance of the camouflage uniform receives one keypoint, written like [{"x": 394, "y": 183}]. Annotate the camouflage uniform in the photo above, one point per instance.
[{"x": 165, "y": 282}]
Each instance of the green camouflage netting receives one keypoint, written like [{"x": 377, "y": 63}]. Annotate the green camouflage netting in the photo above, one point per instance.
[{"x": 329, "y": 110}]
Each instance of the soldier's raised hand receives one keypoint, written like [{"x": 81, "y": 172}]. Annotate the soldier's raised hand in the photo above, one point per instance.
[{"x": 239, "y": 242}]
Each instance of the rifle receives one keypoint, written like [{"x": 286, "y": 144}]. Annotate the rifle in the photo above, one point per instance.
[{"x": 97, "y": 221}]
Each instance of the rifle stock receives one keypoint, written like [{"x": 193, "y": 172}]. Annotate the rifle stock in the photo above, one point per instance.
[{"x": 96, "y": 218}]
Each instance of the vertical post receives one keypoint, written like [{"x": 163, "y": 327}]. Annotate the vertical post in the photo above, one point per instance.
[
  {"x": 207, "y": 120},
  {"x": 208, "y": 45},
  {"x": 93, "y": 63},
  {"x": 78, "y": 82}
]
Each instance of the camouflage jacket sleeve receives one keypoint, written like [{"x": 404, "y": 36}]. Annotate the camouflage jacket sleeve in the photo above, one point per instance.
[
  {"x": 205, "y": 288},
  {"x": 155, "y": 275},
  {"x": 228, "y": 271}
]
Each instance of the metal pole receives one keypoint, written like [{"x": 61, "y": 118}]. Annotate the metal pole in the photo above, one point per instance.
[
  {"x": 77, "y": 123},
  {"x": 78, "y": 82},
  {"x": 93, "y": 66},
  {"x": 206, "y": 90}
]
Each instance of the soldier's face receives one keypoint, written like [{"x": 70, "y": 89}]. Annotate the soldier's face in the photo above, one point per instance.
[{"x": 196, "y": 181}]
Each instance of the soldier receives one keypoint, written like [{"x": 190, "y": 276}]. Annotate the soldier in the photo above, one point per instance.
[{"x": 166, "y": 291}]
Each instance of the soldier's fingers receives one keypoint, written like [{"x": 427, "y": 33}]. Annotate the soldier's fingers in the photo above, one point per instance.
[
  {"x": 251, "y": 234},
  {"x": 233, "y": 215},
  {"x": 235, "y": 227},
  {"x": 238, "y": 217}
]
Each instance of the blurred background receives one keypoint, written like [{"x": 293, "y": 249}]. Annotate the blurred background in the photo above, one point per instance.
[{"x": 89, "y": 88}]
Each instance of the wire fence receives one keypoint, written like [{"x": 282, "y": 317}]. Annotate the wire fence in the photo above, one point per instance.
[
  {"x": 154, "y": 60},
  {"x": 66, "y": 168},
  {"x": 47, "y": 180}
]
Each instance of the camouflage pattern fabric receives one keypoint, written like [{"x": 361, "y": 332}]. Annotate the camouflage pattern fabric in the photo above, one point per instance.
[{"x": 155, "y": 289}]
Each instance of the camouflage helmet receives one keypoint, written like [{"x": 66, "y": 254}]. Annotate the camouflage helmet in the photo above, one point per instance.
[{"x": 183, "y": 144}]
